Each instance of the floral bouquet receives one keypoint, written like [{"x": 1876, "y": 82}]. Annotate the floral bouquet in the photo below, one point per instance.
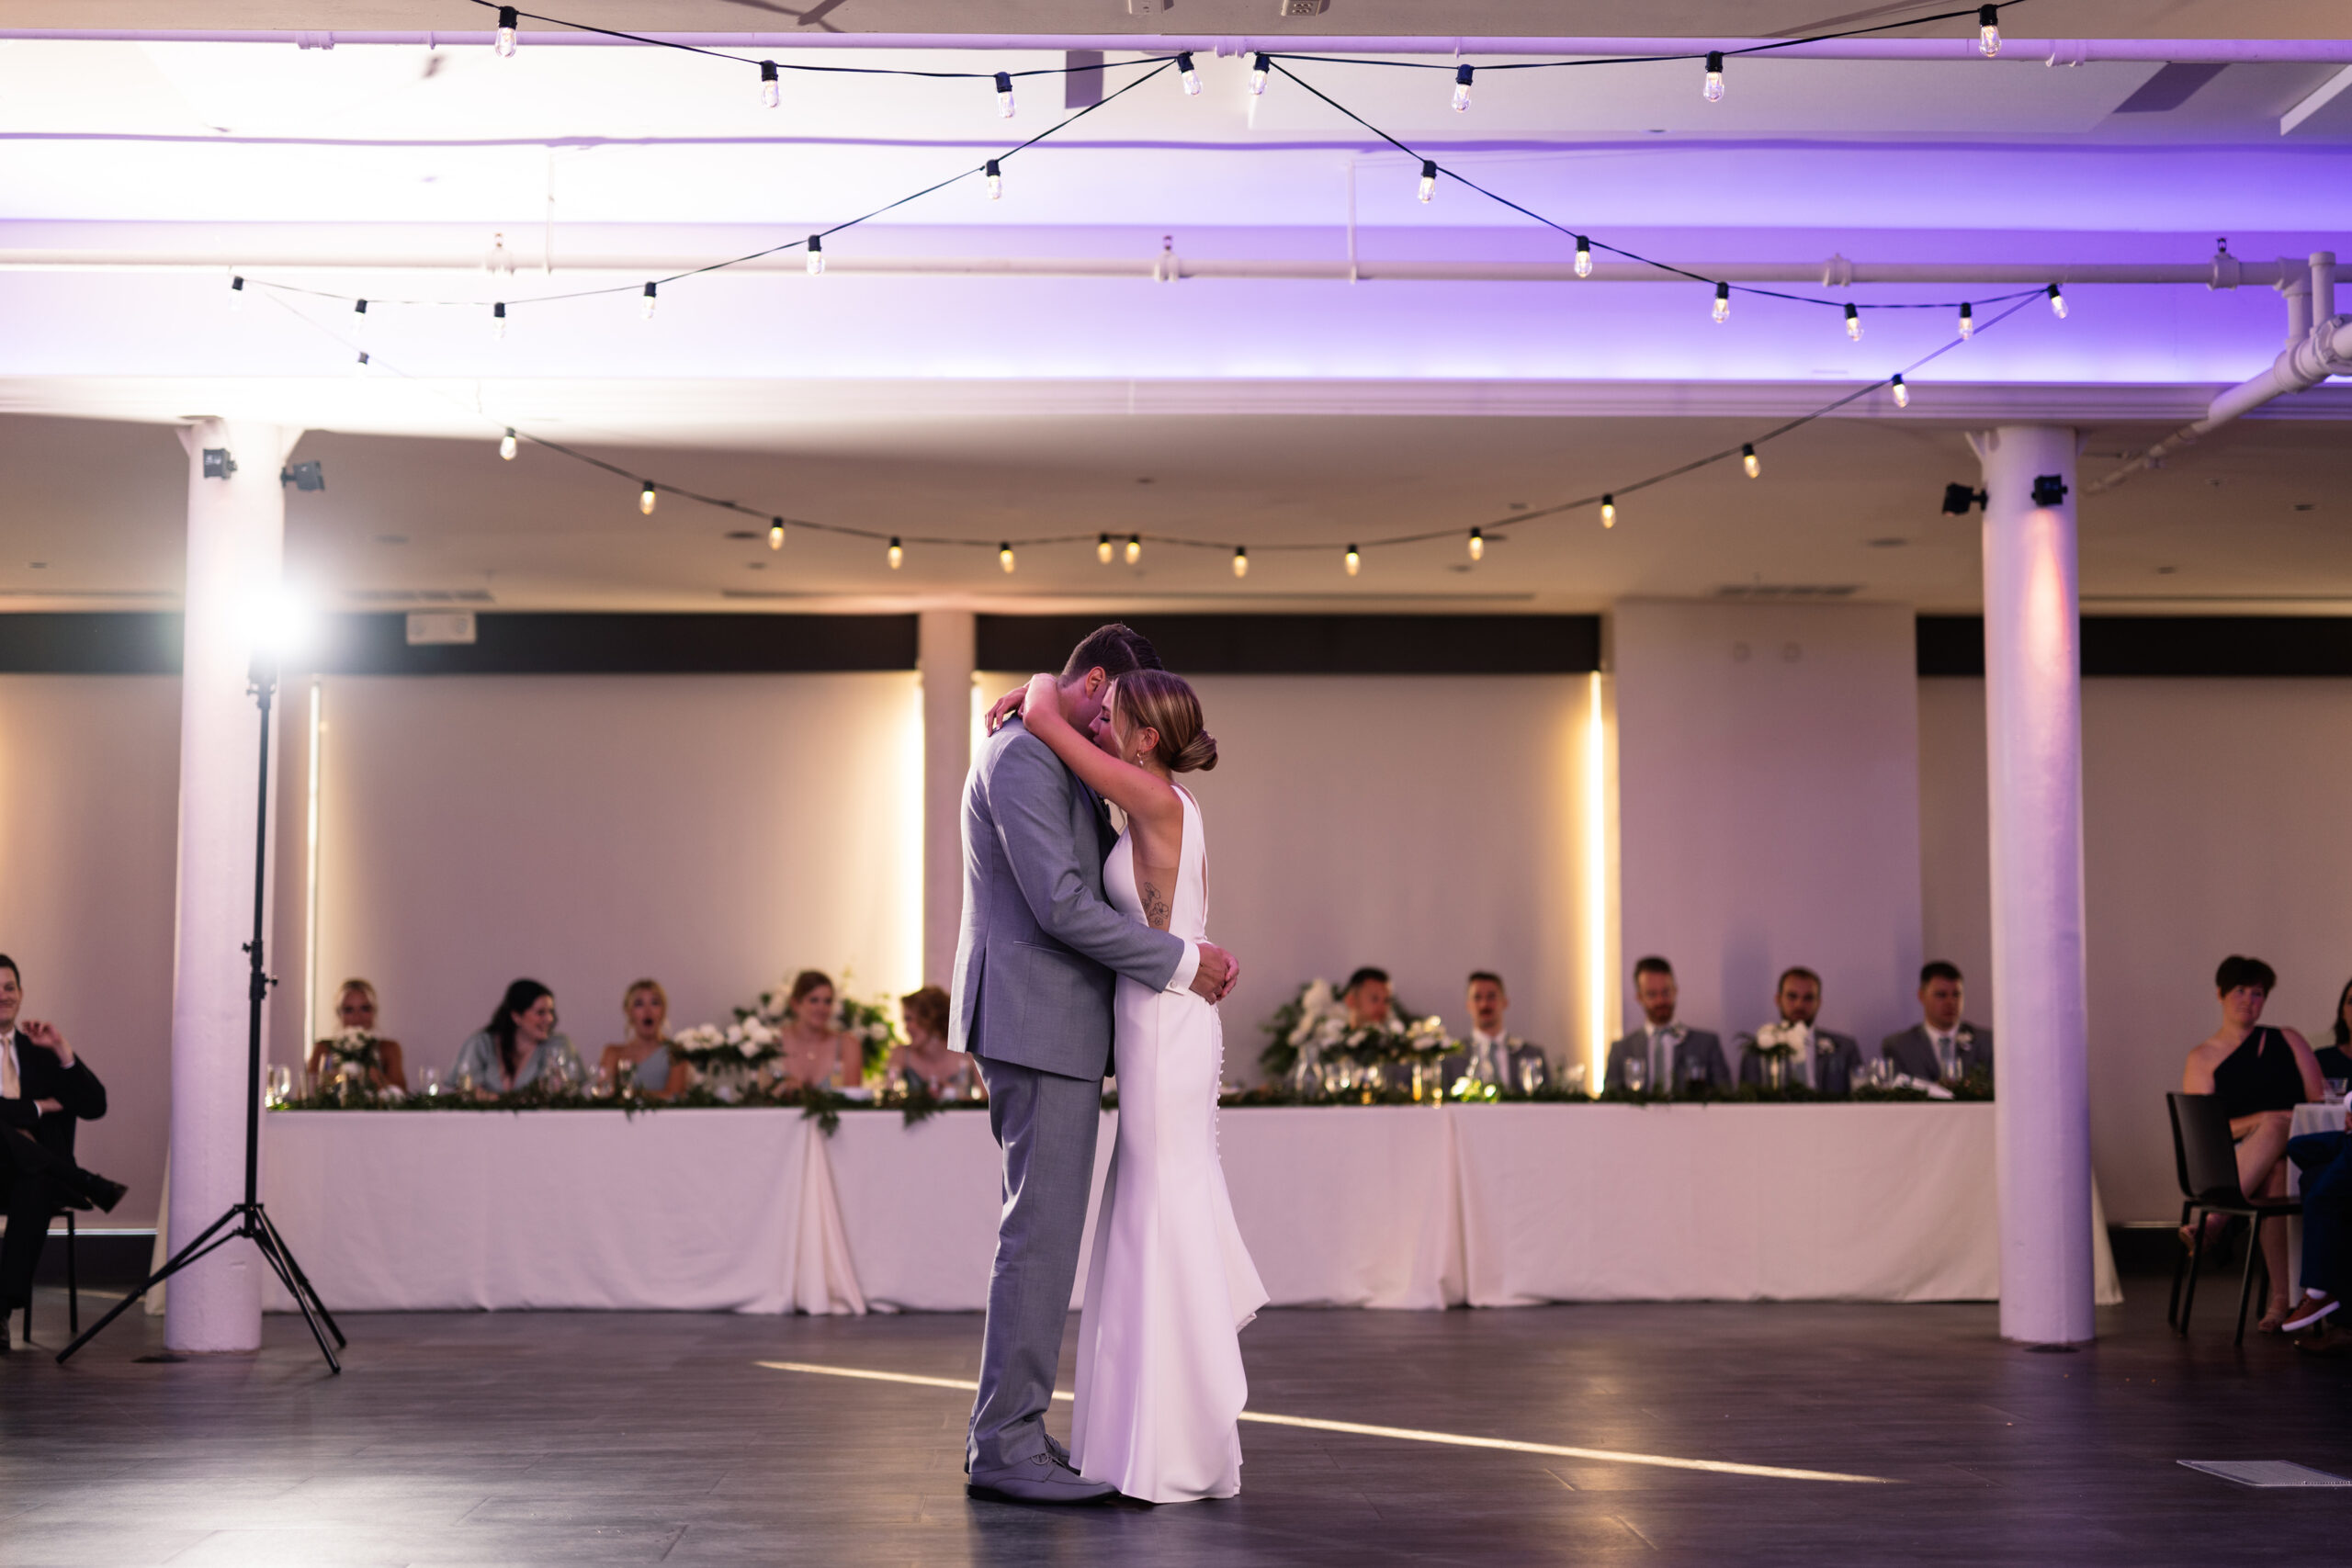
[
  {"x": 1314, "y": 1027},
  {"x": 873, "y": 1025},
  {"x": 745, "y": 1045},
  {"x": 355, "y": 1053}
]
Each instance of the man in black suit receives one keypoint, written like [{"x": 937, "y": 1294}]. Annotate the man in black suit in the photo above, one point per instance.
[
  {"x": 1941, "y": 1047},
  {"x": 45, "y": 1089}
]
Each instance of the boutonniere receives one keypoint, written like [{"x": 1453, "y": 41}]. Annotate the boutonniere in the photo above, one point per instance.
[
  {"x": 1824, "y": 1044},
  {"x": 1964, "y": 1035}
]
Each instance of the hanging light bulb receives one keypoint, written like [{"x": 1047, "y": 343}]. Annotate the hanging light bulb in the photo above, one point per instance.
[
  {"x": 1722, "y": 303},
  {"x": 1584, "y": 257},
  {"x": 1902, "y": 392},
  {"x": 1135, "y": 548},
  {"x": 498, "y": 319},
  {"x": 775, "y": 533},
  {"x": 1462, "y": 90},
  {"x": 1258, "y": 68},
  {"x": 1241, "y": 560},
  {"x": 816, "y": 254},
  {"x": 507, "y": 444},
  {"x": 359, "y": 313},
  {"x": 1353, "y": 560},
  {"x": 1853, "y": 324},
  {"x": 360, "y": 369},
  {"x": 648, "y": 311},
  {"x": 1713, "y": 90},
  {"x": 1747, "y": 459},
  {"x": 645, "y": 499},
  {"x": 995, "y": 181},
  {"x": 1004, "y": 556},
  {"x": 1967, "y": 321},
  {"x": 771, "y": 89},
  {"x": 1103, "y": 548},
  {"x": 1191, "y": 78},
  {"x": 1609, "y": 511},
  {"x": 1477, "y": 545},
  {"x": 2057, "y": 304},
  {"x": 1428, "y": 178},
  {"x": 898, "y": 556},
  {"x": 1988, "y": 30},
  {"x": 236, "y": 293},
  {"x": 1003, "y": 94},
  {"x": 507, "y": 21}
]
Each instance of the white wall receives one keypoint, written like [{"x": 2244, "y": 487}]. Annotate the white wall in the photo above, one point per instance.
[
  {"x": 711, "y": 831},
  {"x": 89, "y": 826},
  {"x": 1768, "y": 782},
  {"x": 2213, "y": 823},
  {"x": 1425, "y": 824}
]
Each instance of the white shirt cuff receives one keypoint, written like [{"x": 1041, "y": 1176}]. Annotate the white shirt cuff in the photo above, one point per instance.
[{"x": 1186, "y": 967}]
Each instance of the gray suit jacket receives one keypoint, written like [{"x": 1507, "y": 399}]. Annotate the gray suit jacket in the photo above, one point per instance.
[
  {"x": 1456, "y": 1064},
  {"x": 1914, "y": 1053},
  {"x": 1035, "y": 960},
  {"x": 1699, "y": 1051},
  {"x": 1833, "y": 1072}
]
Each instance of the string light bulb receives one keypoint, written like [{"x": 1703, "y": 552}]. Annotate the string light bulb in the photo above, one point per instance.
[
  {"x": 359, "y": 312},
  {"x": 1902, "y": 392},
  {"x": 771, "y": 88},
  {"x": 360, "y": 369},
  {"x": 1241, "y": 560},
  {"x": 1004, "y": 556},
  {"x": 236, "y": 293},
  {"x": 508, "y": 445},
  {"x": 1462, "y": 90},
  {"x": 507, "y": 22},
  {"x": 1722, "y": 303},
  {"x": 648, "y": 312},
  {"x": 1005, "y": 95},
  {"x": 1609, "y": 511},
  {"x": 1191, "y": 78},
  {"x": 898, "y": 555},
  {"x": 1477, "y": 545},
  {"x": 1103, "y": 548},
  {"x": 1353, "y": 560},
  {"x": 1748, "y": 461},
  {"x": 1258, "y": 68},
  {"x": 816, "y": 255},
  {"x": 1853, "y": 324},
  {"x": 1584, "y": 257},
  {"x": 775, "y": 533},
  {"x": 1713, "y": 90},
  {"x": 498, "y": 320},
  {"x": 1428, "y": 178},
  {"x": 1135, "y": 548},
  {"x": 1967, "y": 321},
  {"x": 995, "y": 180},
  {"x": 2057, "y": 302},
  {"x": 1988, "y": 30},
  {"x": 645, "y": 499}
]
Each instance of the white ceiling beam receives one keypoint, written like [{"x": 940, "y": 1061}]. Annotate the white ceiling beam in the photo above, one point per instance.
[{"x": 2319, "y": 97}]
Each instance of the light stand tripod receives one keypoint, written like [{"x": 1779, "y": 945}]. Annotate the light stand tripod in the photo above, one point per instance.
[{"x": 248, "y": 1221}]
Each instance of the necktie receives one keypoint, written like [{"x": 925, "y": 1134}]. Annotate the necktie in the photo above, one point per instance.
[
  {"x": 1947, "y": 1056},
  {"x": 10, "y": 1089}
]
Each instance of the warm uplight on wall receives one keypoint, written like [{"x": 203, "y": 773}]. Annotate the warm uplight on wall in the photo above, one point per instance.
[
  {"x": 311, "y": 871},
  {"x": 1600, "y": 978}
]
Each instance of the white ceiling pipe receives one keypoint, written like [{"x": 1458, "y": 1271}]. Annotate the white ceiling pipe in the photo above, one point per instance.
[
  {"x": 2014, "y": 51},
  {"x": 2319, "y": 344}
]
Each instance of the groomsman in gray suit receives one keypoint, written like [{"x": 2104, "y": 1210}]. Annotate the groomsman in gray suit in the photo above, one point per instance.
[
  {"x": 1675, "y": 1059},
  {"x": 1820, "y": 1059},
  {"x": 1492, "y": 1054},
  {"x": 1940, "y": 1048},
  {"x": 1031, "y": 1001}
]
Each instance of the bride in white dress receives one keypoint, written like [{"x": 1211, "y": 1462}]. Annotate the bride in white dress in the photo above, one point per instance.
[{"x": 1160, "y": 1388}]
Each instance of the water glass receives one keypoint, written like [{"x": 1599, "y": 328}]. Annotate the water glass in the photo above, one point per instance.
[
  {"x": 1574, "y": 1078},
  {"x": 1529, "y": 1071},
  {"x": 1637, "y": 1075},
  {"x": 429, "y": 1080},
  {"x": 281, "y": 1085},
  {"x": 2337, "y": 1087}
]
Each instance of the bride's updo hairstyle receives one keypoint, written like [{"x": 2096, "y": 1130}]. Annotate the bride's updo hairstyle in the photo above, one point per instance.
[{"x": 1156, "y": 700}]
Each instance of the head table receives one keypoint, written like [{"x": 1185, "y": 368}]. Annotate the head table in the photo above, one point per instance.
[{"x": 1403, "y": 1206}]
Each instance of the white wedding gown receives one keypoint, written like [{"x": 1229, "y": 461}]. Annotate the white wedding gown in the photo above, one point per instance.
[{"x": 1160, "y": 1382}]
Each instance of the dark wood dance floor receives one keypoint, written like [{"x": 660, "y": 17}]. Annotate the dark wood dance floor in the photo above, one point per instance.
[{"x": 579, "y": 1438}]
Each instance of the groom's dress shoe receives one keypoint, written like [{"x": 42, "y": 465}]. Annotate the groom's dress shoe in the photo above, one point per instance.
[
  {"x": 1041, "y": 1478},
  {"x": 106, "y": 1194}
]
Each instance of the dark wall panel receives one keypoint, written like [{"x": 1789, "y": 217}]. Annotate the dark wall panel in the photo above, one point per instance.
[
  {"x": 2165, "y": 645},
  {"x": 1316, "y": 644}
]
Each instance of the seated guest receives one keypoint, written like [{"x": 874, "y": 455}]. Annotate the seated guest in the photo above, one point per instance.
[
  {"x": 1940, "y": 1048},
  {"x": 518, "y": 1047},
  {"x": 354, "y": 1008},
  {"x": 45, "y": 1089},
  {"x": 2335, "y": 1059},
  {"x": 1819, "y": 1059},
  {"x": 2325, "y": 1160},
  {"x": 645, "y": 1059},
  {"x": 1370, "y": 1002},
  {"x": 1490, "y": 1055},
  {"x": 813, "y": 1051},
  {"x": 947, "y": 1074},
  {"x": 1675, "y": 1059},
  {"x": 2261, "y": 1075}
]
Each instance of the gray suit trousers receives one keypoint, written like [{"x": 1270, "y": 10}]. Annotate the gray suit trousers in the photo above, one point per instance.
[{"x": 1045, "y": 1123}]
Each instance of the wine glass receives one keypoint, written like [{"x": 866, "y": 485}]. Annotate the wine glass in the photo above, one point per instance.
[
  {"x": 281, "y": 1085},
  {"x": 1573, "y": 1080},
  {"x": 1528, "y": 1069},
  {"x": 1637, "y": 1075},
  {"x": 429, "y": 1080}
]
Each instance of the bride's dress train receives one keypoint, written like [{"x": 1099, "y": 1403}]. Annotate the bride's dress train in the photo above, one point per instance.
[{"x": 1159, "y": 1383}]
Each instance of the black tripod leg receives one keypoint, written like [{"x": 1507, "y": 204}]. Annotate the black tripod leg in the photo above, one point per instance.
[
  {"x": 302, "y": 1280},
  {"x": 267, "y": 1246},
  {"x": 185, "y": 1256}
]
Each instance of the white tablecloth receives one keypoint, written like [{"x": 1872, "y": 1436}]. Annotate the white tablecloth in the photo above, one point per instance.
[{"x": 1402, "y": 1206}]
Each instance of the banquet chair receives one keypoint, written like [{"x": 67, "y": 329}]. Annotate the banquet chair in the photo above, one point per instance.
[
  {"x": 2205, "y": 1159},
  {"x": 69, "y": 1208}
]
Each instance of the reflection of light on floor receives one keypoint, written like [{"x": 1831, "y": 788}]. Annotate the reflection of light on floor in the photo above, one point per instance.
[{"x": 1402, "y": 1433}]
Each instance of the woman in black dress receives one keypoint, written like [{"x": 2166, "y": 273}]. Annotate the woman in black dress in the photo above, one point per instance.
[{"x": 2261, "y": 1073}]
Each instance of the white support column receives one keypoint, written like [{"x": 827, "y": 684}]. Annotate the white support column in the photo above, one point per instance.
[
  {"x": 946, "y": 651},
  {"x": 2033, "y": 722},
  {"x": 235, "y": 534}
]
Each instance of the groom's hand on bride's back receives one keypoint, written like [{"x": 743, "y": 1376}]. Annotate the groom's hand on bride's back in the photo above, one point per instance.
[{"x": 1218, "y": 972}]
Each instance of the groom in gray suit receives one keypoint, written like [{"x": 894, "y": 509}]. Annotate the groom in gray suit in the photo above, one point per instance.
[{"x": 1031, "y": 1001}]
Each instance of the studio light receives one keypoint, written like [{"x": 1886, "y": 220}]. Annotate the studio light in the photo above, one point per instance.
[
  {"x": 995, "y": 180},
  {"x": 507, "y": 21},
  {"x": 1967, "y": 320},
  {"x": 1462, "y": 90},
  {"x": 1428, "y": 178},
  {"x": 507, "y": 444},
  {"x": 1584, "y": 257},
  {"x": 1003, "y": 94},
  {"x": 1853, "y": 324},
  {"x": 1258, "y": 68},
  {"x": 771, "y": 89},
  {"x": 2057, "y": 304},
  {"x": 1722, "y": 303},
  {"x": 1477, "y": 545},
  {"x": 1958, "y": 499},
  {"x": 1902, "y": 392},
  {"x": 1353, "y": 560},
  {"x": 1191, "y": 78},
  {"x": 898, "y": 555},
  {"x": 1747, "y": 460},
  {"x": 1988, "y": 30},
  {"x": 1609, "y": 511},
  {"x": 775, "y": 533},
  {"x": 304, "y": 476},
  {"x": 1241, "y": 560},
  {"x": 2049, "y": 489},
  {"x": 645, "y": 499},
  {"x": 1004, "y": 556},
  {"x": 816, "y": 254},
  {"x": 1135, "y": 548},
  {"x": 1713, "y": 91},
  {"x": 1103, "y": 548}
]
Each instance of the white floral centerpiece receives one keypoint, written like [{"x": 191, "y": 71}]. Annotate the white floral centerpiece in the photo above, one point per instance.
[
  {"x": 1314, "y": 1027},
  {"x": 354, "y": 1054},
  {"x": 742, "y": 1047}
]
